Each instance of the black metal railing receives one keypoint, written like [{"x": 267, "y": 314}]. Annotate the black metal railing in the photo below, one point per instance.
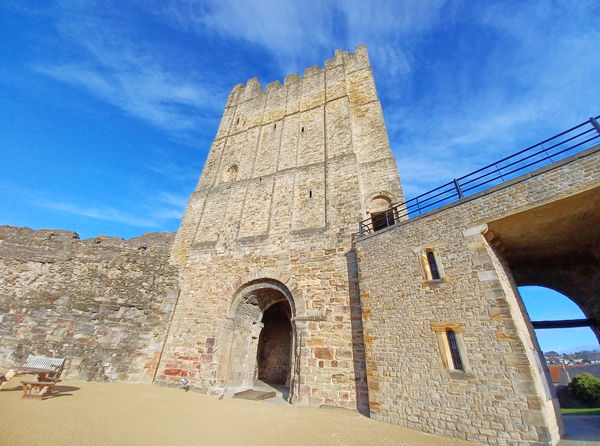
[{"x": 551, "y": 150}]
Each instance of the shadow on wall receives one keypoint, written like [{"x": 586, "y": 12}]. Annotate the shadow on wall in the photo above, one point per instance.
[{"x": 358, "y": 342}]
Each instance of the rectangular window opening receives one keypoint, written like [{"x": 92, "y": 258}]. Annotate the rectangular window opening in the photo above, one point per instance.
[
  {"x": 382, "y": 220},
  {"x": 454, "y": 352}
]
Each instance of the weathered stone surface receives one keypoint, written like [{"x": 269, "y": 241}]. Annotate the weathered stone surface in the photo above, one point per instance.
[
  {"x": 270, "y": 276},
  {"x": 311, "y": 156},
  {"x": 503, "y": 388},
  {"x": 102, "y": 303}
]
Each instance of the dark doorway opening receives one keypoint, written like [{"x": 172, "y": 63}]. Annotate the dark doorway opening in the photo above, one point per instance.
[
  {"x": 275, "y": 345},
  {"x": 382, "y": 220}
]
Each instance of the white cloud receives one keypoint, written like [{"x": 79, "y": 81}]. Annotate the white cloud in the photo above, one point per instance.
[
  {"x": 175, "y": 171},
  {"x": 156, "y": 96},
  {"x": 99, "y": 213},
  {"x": 139, "y": 79},
  {"x": 291, "y": 30},
  {"x": 150, "y": 212},
  {"x": 536, "y": 77}
]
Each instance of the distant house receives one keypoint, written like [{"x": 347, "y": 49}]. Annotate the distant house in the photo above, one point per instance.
[{"x": 562, "y": 375}]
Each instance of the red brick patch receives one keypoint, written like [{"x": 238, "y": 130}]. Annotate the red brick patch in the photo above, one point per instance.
[
  {"x": 323, "y": 353},
  {"x": 175, "y": 372}
]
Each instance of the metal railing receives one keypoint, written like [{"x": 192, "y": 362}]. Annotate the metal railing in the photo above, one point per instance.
[{"x": 551, "y": 150}]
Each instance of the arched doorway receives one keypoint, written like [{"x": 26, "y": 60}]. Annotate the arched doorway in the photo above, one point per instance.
[{"x": 259, "y": 338}]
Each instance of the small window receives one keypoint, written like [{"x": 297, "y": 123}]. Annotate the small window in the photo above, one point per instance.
[
  {"x": 450, "y": 342},
  {"x": 274, "y": 126},
  {"x": 382, "y": 220},
  {"x": 302, "y": 130},
  {"x": 454, "y": 353},
  {"x": 310, "y": 194},
  {"x": 433, "y": 268},
  {"x": 237, "y": 121}
]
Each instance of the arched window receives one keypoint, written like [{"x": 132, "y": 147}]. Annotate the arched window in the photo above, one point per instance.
[
  {"x": 433, "y": 268},
  {"x": 454, "y": 352}
]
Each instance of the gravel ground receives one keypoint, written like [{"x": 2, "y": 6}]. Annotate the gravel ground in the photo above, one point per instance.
[{"x": 91, "y": 413}]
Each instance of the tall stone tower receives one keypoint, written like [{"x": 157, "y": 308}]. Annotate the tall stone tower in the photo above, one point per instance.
[{"x": 268, "y": 275}]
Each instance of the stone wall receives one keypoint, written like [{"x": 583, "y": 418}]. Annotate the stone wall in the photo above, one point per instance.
[
  {"x": 501, "y": 396},
  {"x": 104, "y": 303},
  {"x": 292, "y": 170}
]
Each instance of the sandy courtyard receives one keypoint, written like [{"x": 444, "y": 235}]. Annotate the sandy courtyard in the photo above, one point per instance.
[{"x": 91, "y": 413}]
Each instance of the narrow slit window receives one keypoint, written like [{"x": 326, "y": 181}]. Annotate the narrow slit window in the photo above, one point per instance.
[
  {"x": 238, "y": 121},
  {"x": 454, "y": 353},
  {"x": 302, "y": 130},
  {"x": 274, "y": 126},
  {"x": 433, "y": 268},
  {"x": 310, "y": 194}
]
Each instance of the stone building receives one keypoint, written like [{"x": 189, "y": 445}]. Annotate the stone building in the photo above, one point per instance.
[
  {"x": 416, "y": 322},
  {"x": 268, "y": 275}
]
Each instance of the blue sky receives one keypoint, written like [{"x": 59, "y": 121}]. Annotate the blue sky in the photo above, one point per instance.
[{"x": 108, "y": 108}]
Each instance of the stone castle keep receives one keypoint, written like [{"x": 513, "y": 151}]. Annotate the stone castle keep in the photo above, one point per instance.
[{"x": 418, "y": 324}]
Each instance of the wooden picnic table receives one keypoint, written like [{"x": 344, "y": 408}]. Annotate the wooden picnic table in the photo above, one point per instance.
[
  {"x": 37, "y": 389},
  {"x": 41, "y": 373}
]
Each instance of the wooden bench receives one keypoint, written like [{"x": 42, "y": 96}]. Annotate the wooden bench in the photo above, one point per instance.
[{"x": 37, "y": 389}]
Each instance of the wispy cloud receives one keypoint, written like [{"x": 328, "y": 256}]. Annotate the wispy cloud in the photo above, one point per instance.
[
  {"x": 151, "y": 212},
  {"x": 138, "y": 79},
  {"x": 176, "y": 171},
  {"x": 167, "y": 205},
  {"x": 100, "y": 213},
  {"x": 142, "y": 90},
  {"x": 289, "y": 31},
  {"x": 526, "y": 86}
]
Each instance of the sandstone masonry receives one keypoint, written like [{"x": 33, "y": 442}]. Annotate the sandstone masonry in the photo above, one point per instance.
[
  {"x": 102, "y": 303},
  {"x": 419, "y": 323},
  {"x": 290, "y": 173},
  {"x": 502, "y": 395}
]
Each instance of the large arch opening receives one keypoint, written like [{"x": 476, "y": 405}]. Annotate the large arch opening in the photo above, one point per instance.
[
  {"x": 555, "y": 246},
  {"x": 260, "y": 337},
  {"x": 559, "y": 341},
  {"x": 568, "y": 344}
]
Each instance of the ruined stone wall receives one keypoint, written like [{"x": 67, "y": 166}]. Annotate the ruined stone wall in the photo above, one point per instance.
[
  {"x": 103, "y": 303},
  {"x": 291, "y": 172},
  {"x": 502, "y": 396}
]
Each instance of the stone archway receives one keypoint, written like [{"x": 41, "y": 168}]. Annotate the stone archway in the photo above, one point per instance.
[
  {"x": 555, "y": 246},
  {"x": 259, "y": 337}
]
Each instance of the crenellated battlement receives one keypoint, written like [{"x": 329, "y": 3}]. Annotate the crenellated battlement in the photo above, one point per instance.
[{"x": 252, "y": 88}]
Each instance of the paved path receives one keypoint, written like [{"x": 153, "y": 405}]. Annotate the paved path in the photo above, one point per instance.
[{"x": 581, "y": 430}]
